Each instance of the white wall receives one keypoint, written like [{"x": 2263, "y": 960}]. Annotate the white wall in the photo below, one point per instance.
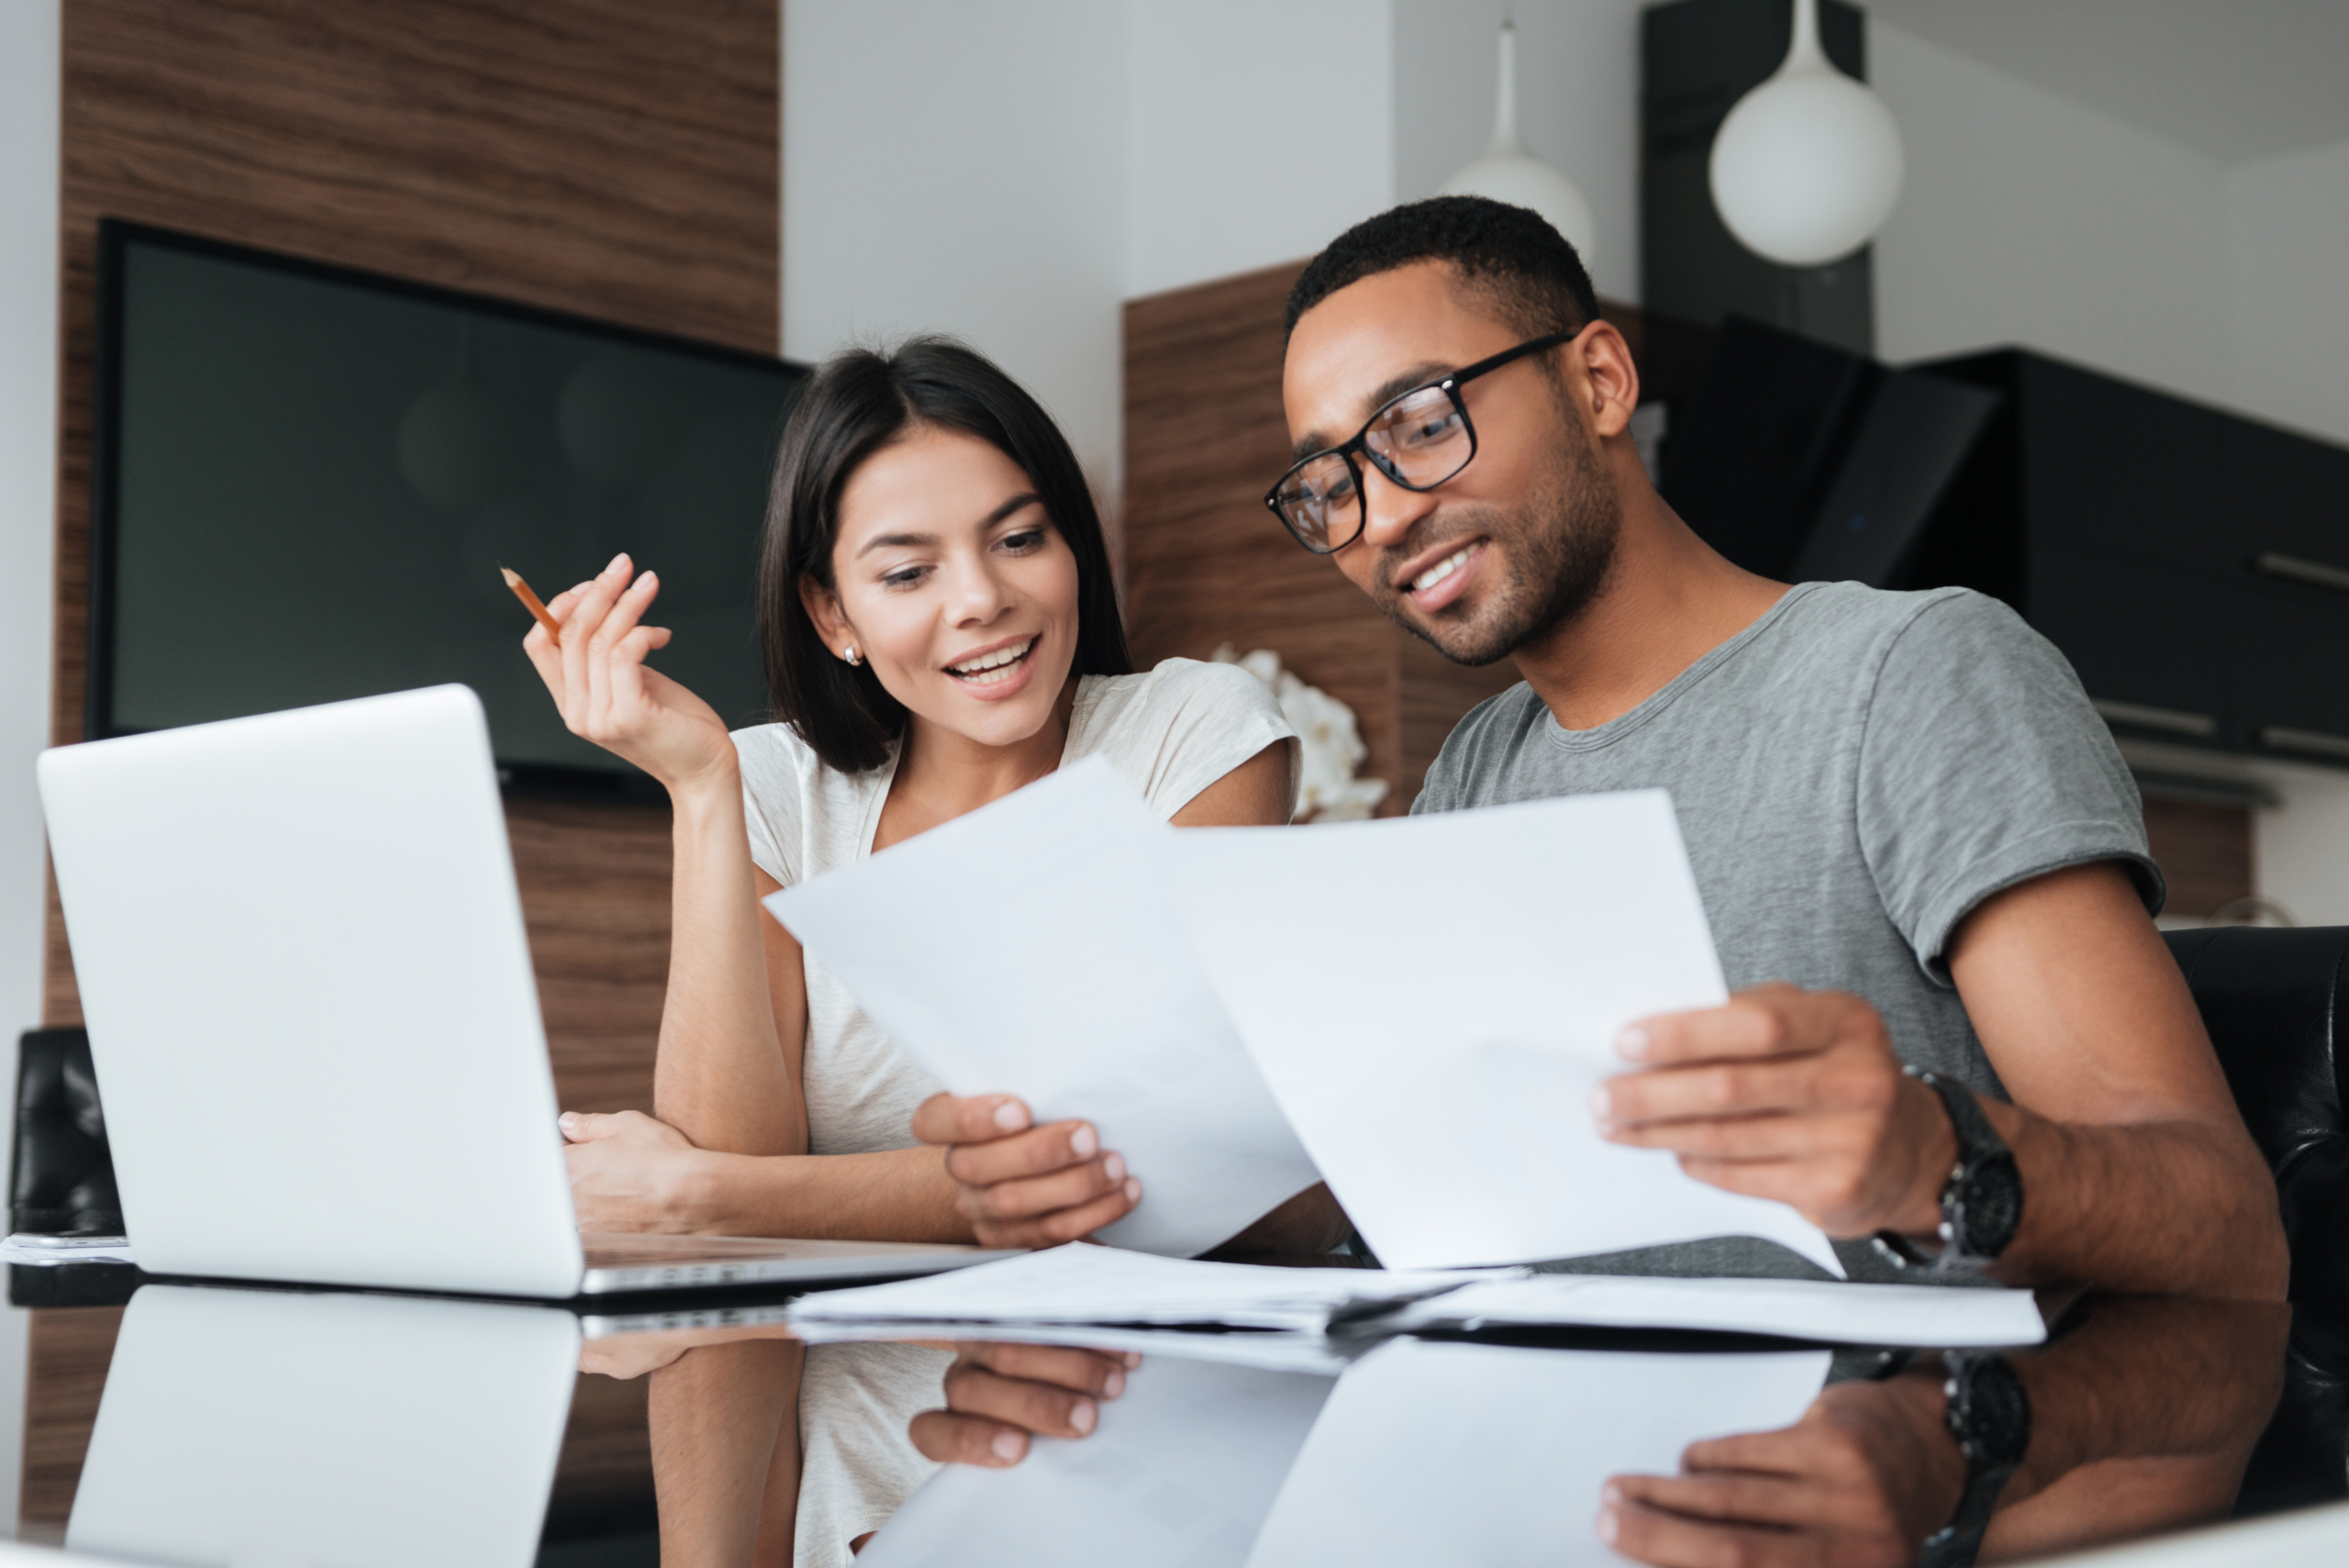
[
  {"x": 1254, "y": 133},
  {"x": 959, "y": 167},
  {"x": 28, "y": 247},
  {"x": 2287, "y": 233},
  {"x": 2027, "y": 218},
  {"x": 1578, "y": 105}
]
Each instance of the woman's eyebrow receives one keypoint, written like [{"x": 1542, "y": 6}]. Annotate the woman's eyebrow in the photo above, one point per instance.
[
  {"x": 894, "y": 541},
  {"x": 916, "y": 541},
  {"x": 1025, "y": 498}
]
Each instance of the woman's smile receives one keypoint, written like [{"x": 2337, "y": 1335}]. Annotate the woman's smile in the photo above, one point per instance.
[{"x": 999, "y": 670}]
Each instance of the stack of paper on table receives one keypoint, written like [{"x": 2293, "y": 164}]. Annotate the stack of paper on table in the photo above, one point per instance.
[
  {"x": 1080, "y": 1283},
  {"x": 1433, "y": 1000},
  {"x": 1829, "y": 1311},
  {"x": 1029, "y": 949}
]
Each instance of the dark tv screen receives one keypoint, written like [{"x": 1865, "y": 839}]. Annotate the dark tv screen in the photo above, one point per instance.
[{"x": 307, "y": 479}]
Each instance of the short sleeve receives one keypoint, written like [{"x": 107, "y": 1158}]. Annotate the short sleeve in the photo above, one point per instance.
[
  {"x": 1981, "y": 766},
  {"x": 1177, "y": 728},
  {"x": 774, "y": 762}
]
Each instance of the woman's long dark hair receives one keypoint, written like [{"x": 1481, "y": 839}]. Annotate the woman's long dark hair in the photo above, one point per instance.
[{"x": 857, "y": 403}]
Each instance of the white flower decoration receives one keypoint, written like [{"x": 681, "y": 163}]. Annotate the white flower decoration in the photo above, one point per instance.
[{"x": 1331, "y": 745}]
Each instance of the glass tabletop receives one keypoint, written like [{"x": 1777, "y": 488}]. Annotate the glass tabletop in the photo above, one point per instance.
[{"x": 246, "y": 1425}]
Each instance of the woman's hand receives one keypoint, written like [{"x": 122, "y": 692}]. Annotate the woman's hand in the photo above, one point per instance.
[
  {"x": 1020, "y": 1185},
  {"x": 998, "y": 1395},
  {"x": 606, "y": 692},
  {"x": 631, "y": 1173}
]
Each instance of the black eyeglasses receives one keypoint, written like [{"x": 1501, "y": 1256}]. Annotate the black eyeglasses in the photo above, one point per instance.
[{"x": 1419, "y": 439}]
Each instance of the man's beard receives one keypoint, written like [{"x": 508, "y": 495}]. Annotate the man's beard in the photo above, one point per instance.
[{"x": 1558, "y": 547}]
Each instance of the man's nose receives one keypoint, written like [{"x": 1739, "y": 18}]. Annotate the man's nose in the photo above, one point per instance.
[{"x": 1389, "y": 511}]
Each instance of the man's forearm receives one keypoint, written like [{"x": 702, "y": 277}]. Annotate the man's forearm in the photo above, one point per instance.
[
  {"x": 2146, "y": 1413},
  {"x": 2177, "y": 1207},
  {"x": 898, "y": 1194}
]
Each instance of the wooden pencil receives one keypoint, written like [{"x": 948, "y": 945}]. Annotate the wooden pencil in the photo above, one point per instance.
[{"x": 531, "y": 602}]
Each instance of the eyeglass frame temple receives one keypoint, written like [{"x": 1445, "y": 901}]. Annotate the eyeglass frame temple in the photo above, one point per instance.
[{"x": 1449, "y": 386}]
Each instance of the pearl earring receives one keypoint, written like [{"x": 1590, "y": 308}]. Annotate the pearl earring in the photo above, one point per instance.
[{"x": 850, "y": 654}]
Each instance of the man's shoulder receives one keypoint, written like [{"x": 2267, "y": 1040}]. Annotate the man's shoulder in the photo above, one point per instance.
[{"x": 1478, "y": 746}]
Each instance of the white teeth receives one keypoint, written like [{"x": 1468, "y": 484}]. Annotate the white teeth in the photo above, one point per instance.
[
  {"x": 989, "y": 668},
  {"x": 1441, "y": 570}
]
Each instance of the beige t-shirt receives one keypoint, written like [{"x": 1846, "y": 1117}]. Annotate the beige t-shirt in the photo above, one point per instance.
[{"x": 1170, "y": 731}]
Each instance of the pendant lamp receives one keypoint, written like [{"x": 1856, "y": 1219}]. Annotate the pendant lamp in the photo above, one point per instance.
[
  {"x": 1806, "y": 166},
  {"x": 1506, "y": 172}
]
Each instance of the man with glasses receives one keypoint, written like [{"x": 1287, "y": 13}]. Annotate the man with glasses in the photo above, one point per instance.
[{"x": 1916, "y": 841}]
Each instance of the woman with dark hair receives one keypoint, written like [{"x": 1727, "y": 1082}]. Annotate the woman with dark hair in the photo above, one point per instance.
[{"x": 939, "y": 628}]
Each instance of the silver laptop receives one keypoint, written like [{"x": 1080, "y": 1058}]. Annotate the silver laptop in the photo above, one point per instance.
[{"x": 316, "y": 1028}]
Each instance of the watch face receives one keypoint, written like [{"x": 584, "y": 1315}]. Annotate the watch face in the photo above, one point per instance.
[{"x": 1993, "y": 1200}]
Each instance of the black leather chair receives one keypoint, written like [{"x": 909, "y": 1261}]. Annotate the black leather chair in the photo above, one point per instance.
[
  {"x": 2272, "y": 1000},
  {"x": 62, "y": 1182}
]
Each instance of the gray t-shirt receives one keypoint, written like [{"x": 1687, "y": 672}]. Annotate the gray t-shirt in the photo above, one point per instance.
[{"x": 1855, "y": 772}]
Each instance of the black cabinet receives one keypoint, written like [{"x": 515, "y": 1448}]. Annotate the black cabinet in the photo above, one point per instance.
[{"x": 2192, "y": 564}]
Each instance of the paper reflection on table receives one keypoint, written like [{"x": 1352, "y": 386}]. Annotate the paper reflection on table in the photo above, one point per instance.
[
  {"x": 1182, "y": 1472},
  {"x": 1419, "y": 1454},
  {"x": 261, "y": 1427},
  {"x": 1437, "y": 1453}
]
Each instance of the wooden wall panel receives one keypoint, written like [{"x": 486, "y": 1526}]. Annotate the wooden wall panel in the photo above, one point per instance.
[
  {"x": 1205, "y": 563},
  {"x": 599, "y": 156},
  {"x": 608, "y": 157},
  {"x": 66, "y": 1361},
  {"x": 2204, "y": 851}
]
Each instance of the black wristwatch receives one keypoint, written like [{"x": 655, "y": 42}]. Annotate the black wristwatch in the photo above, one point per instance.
[
  {"x": 1981, "y": 1204},
  {"x": 1988, "y": 1413}
]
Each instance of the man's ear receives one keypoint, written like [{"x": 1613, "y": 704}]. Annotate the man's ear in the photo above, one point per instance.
[
  {"x": 1610, "y": 382},
  {"x": 823, "y": 607}
]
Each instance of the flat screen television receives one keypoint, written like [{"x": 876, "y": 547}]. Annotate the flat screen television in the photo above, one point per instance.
[{"x": 305, "y": 478}]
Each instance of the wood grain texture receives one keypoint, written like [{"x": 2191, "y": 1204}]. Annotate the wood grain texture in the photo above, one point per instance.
[
  {"x": 65, "y": 1366},
  {"x": 597, "y": 156},
  {"x": 605, "y": 1468},
  {"x": 606, "y": 157},
  {"x": 1207, "y": 563},
  {"x": 2204, "y": 851}
]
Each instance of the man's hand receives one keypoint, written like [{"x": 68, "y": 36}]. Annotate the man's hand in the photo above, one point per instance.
[
  {"x": 999, "y": 1396},
  {"x": 1867, "y": 1473},
  {"x": 1021, "y": 1185},
  {"x": 631, "y": 1173},
  {"x": 1789, "y": 1094}
]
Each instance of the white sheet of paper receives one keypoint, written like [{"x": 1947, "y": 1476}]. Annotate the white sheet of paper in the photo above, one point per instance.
[
  {"x": 1835, "y": 1312},
  {"x": 1029, "y": 949},
  {"x": 1433, "y": 1000},
  {"x": 1431, "y": 1455},
  {"x": 1079, "y": 1283},
  {"x": 1181, "y": 1474}
]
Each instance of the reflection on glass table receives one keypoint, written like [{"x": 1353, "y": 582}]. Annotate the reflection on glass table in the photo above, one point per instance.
[
  {"x": 261, "y": 1426},
  {"x": 1435, "y": 1451},
  {"x": 256, "y": 1427}
]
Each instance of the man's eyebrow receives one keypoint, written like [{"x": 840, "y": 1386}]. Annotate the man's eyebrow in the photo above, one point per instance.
[
  {"x": 897, "y": 542},
  {"x": 1393, "y": 386}
]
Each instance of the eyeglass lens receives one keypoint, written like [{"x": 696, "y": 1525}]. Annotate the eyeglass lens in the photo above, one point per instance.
[{"x": 1419, "y": 441}]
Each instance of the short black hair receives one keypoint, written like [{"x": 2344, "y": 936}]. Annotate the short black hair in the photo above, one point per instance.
[
  {"x": 1509, "y": 254},
  {"x": 857, "y": 403}
]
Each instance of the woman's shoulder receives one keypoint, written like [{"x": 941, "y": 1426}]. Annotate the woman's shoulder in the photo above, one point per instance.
[
  {"x": 1173, "y": 685},
  {"x": 1175, "y": 730}
]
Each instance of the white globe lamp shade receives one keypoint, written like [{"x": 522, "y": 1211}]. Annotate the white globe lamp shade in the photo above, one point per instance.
[
  {"x": 1506, "y": 172},
  {"x": 1806, "y": 167}
]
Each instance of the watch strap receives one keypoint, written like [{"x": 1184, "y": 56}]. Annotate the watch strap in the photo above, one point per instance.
[
  {"x": 1987, "y": 1411},
  {"x": 1978, "y": 1147}
]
